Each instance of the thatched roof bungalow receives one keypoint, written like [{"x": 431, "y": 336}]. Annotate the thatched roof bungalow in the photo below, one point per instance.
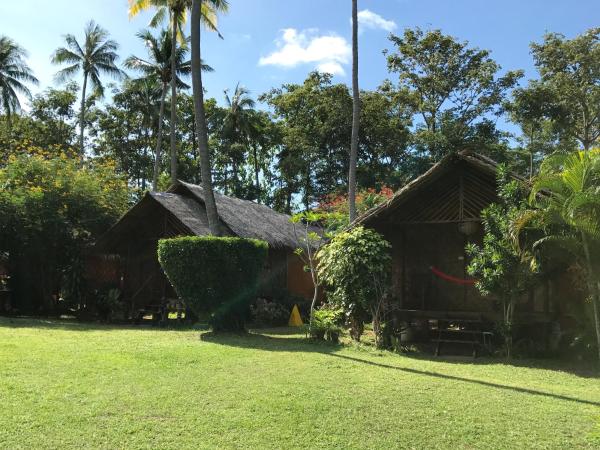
[
  {"x": 428, "y": 222},
  {"x": 181, "y": 212}
]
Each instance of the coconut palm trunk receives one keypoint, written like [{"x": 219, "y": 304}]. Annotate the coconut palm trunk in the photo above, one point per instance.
[
  {"x": 256, "y": 172},
  {"x": 200, "y": 116},
  {"x": 82, "y": 116},
  {"x": 157, "y": 152},
  {"x": 173, "y": 99},
  {"x": 355, "y": 116}
]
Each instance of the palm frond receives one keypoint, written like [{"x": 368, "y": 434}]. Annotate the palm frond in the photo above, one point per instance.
[
  {"x": 159, "y": 17},
  {"x": 74, "y": 46},
  {"x": 137, "y": 6},
  {"x": 65, "y": 56},
  {"x": 67, "y": 73},
  {"x": 10, "y": 100}
]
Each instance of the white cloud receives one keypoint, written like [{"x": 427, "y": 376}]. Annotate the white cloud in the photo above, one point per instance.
[
  {"x": 369, "y": 19},
  {"x": 328, "y": 52}
]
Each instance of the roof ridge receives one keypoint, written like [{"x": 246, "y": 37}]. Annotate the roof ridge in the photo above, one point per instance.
[{"x": 469, "y": 156}]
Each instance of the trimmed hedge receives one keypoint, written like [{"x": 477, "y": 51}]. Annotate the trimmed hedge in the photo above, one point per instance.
[{"x": 218, "y": 275}]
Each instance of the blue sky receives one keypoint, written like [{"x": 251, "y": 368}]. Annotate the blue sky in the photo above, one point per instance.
[{"x": 270, "y": 42}]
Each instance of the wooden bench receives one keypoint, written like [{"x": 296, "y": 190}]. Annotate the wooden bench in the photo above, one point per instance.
[{"x": 462, "y": 331}]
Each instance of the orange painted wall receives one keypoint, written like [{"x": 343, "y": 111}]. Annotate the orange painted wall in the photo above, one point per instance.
[{"x": 298, "y": 281}]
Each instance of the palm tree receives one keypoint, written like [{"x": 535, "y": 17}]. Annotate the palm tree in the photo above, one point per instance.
[
  {"x": 14, "y": 72},
  {"x": 567, "y": 209},
  {"x": 158, "y": 67},
  {"x": 176, "y": 11},
  {"x": 238, "y": 121},
  {"x": 204, "y": 12},
  {"x": 97, "y": 56},
  {"x": 147, "y": 97},
  {"x": 355, "y": 115}
]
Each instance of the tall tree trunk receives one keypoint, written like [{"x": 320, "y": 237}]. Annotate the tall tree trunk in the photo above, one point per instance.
[
  {"x": 205, "y": 164},
  {"x": 355, "y": 115},
  {"x": 159, "y": 133},
  {"x": 174, "y": 100},
  {"x": 146, "y": 146},
  {"x": 82, "y": 116},
  {"x": 288, "y": 201},
  {"x": 594, "y": 288},
  {"x": 256, "y": 172}
]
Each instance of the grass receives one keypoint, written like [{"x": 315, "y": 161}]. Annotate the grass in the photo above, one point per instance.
[{"x": 69, "y": 385}]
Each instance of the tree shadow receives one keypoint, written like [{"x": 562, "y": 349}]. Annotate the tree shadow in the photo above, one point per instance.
[
  {"x": 579, "y": 369},
  {"x": 78, "y": 325},
  {"x": 290, "y": 339},
  {"x": 274, "y": 340},
  {"x": 470, "y": 380},
  {"x": 295, "y": 343}
]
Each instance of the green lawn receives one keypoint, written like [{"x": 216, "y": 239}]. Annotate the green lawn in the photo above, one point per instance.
[{"x": 67, "y": 385}]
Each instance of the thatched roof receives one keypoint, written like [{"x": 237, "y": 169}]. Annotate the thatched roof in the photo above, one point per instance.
[
  {"x": 185, "y": 213},
  {"x": 245, "y": 218},
  {"x": 440, "y": 193}
]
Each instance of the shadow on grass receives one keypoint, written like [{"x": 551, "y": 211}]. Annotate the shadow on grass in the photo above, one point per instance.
[
  {"x": 298, "y": 343},
  {"x": 77, "y": 325},
  {"x": 290, "y": 340},
  {"x": 274, "y": 340},
  {"x": 577, "y": 368},
  {"x": 470, "y": 380}
]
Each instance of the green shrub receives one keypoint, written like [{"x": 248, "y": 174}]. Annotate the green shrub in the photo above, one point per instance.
[
  {"x": 218, "y": 275},
  {"x": 327, "y": 323},
  {"x": 51, "y": 210},
  {"x": 355, "y": 268}
]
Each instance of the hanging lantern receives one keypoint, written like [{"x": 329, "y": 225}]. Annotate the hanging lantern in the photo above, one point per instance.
[{"x": 468, "y": 228}]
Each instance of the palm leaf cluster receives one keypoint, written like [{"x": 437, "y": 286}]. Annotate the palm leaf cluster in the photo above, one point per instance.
[
  {"x": 565, "y": 200},
  {"x": 14, "y": 74},
  {"x": 97, "y": 56},
  {"x": 178, "y": 9}
]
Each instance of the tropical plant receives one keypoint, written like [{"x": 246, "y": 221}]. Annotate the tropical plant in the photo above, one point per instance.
[
  {"x": 49, "y": 128},
  {"x": 356, "y": 268},
  {"x": 158, "y": 67},
  {"x": 334, "y": 207},
  {"x": 124, "y": 129},
  {"x": 51, "y": 210},
  {"x": 355, "y": 117},
  {"x": 566, "y": 202},
  {"x": 238, "y": 126},
  {"x": 14, "y": 74},
  {"x": 176, "y": 12},
  {"x": 310, "y": 237},
  {"x": 327, "y": 323},
  {"x": 503, "y": 271},
  {"x": 97, "y": 56}
]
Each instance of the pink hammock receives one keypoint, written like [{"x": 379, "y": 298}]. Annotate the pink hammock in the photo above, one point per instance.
[{"x": 450, "y": 278}]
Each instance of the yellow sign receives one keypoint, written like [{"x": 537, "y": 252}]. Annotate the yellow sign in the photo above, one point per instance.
[{"x": 295, "y": 319}]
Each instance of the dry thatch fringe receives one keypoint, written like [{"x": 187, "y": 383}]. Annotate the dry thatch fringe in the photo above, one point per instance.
[
  {"x": 241, "y": 218},
  {"x": 480, "y": 161}
]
